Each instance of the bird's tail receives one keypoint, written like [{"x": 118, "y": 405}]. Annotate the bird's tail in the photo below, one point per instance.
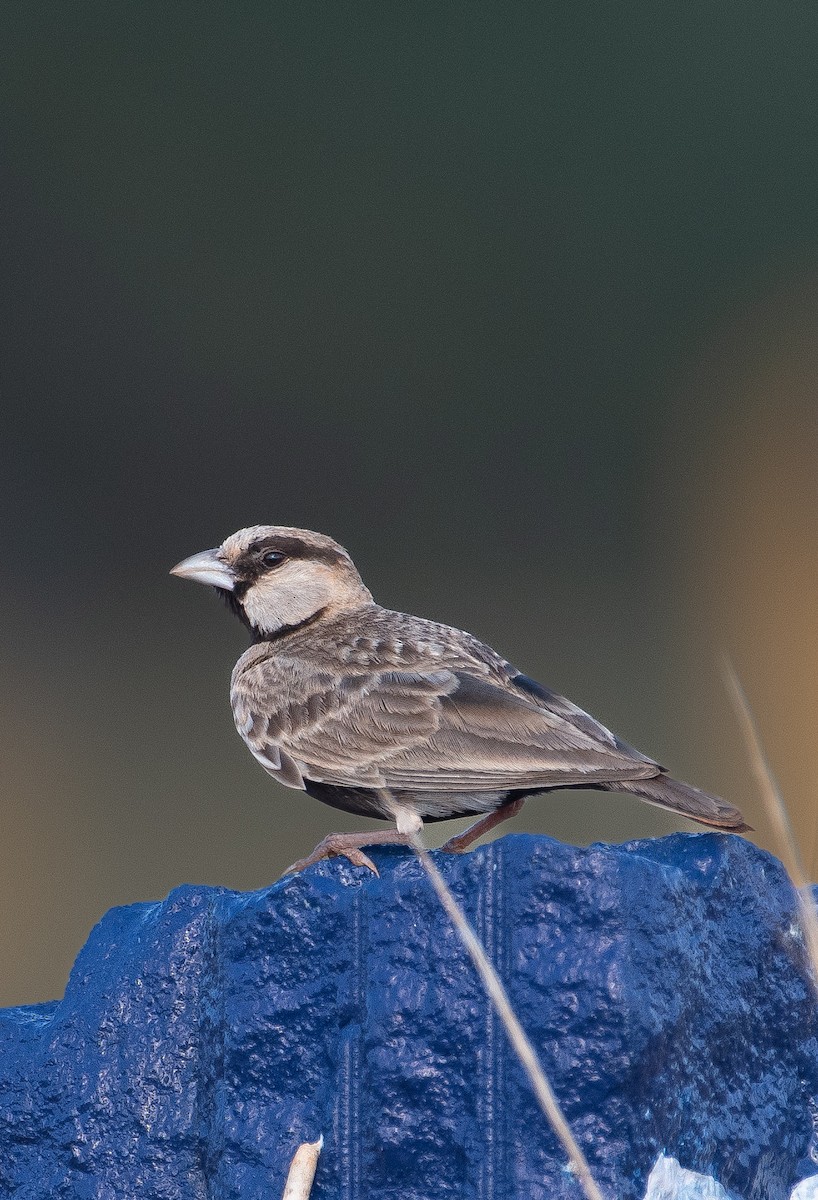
[{"x": 690, "y": 802}]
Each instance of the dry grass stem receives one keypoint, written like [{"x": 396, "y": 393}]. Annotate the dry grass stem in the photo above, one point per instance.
[
  {"x": 776, "y": 811},
  {"x": 302, "y": 1171},
  {"x": 516, "y": 1034}
]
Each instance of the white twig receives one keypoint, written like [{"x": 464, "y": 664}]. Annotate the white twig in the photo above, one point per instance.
[
  {"x": 516, "y": 1034},
  {"x": 777, "y": 813},
  {"x": 302, "y": 1170}
]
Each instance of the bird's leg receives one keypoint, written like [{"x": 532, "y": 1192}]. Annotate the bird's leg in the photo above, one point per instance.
[
  {"x": 348, "y": 845},
  {"x": 462, "y": 841}
]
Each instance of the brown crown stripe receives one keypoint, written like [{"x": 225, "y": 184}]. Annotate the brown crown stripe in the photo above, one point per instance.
[{"x": 293, "y": 547}]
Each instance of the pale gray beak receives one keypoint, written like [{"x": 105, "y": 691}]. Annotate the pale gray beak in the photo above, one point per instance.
[{"x": 207, "y": 567}]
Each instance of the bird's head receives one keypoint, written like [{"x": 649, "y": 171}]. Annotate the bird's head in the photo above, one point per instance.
[{"x": 276, "y": 578}]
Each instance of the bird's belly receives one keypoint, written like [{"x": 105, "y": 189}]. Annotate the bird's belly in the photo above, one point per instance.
[
  {"x": 429, "y": 806},
  {"x": 444, "y": 806}
]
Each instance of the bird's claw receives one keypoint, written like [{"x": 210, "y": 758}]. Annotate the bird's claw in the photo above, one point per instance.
[
  {"x": 359, "y": 859},
  {"x": 333, "y": 847},
  {"x": 454, "y": 846}
]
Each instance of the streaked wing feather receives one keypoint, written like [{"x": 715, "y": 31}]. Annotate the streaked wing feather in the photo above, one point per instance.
[
  {"x": 423, "y": 731},
  {"x": 489, "y": 736},
  {"x": 575, "y": 716}
]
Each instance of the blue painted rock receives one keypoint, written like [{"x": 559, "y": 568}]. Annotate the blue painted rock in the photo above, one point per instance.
[{"x": 203, "y": 1038}]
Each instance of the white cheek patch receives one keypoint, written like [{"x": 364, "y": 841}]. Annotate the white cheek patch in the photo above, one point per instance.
[{"x": 288, "y": 596}]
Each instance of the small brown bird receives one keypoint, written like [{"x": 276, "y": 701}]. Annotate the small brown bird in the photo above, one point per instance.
[{"x": 387, "y": 715}]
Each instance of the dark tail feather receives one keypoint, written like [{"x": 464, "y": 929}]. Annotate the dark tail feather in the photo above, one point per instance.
[{"x": 679, "y": 797}]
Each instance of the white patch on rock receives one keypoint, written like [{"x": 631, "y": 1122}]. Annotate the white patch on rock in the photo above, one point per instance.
[
  {"x": 670, "y": 1181},
  {"x": 807, "y": 1189}
]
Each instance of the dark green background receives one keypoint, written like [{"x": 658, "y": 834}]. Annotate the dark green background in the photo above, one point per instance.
[{"x": 502, "y": 297}]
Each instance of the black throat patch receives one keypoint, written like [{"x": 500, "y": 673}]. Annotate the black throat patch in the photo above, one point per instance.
[{"x": 233, "y": 600}]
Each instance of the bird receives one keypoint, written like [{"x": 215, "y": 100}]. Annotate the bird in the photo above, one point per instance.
[{"x": 384, "y": 714}]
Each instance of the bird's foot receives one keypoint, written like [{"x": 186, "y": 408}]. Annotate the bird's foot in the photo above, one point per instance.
[
  {"x": 461, "y": 841},
  {"x": 457, "y": 845},
  {"x": 348, "y": 845}
]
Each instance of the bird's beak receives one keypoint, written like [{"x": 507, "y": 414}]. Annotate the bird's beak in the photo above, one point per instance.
[{"x": 207, "y": 567}]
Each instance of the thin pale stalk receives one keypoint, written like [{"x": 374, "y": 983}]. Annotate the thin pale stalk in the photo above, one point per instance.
[
  {"x": 516, "y": 1034},
  {"x": 778, "y": 816},
  {"x": 302, "y": 1171}
]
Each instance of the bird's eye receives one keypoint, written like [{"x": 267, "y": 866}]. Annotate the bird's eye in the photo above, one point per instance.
[{"x": 272, "y": 558}]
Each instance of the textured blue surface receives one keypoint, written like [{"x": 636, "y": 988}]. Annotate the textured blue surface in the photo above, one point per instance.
[{"x": 203, "y": 1038}]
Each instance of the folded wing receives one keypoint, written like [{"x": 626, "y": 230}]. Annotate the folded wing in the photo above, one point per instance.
[{"x": 425, "y": 731}]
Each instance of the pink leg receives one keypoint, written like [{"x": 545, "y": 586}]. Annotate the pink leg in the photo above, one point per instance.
[
  {"x": 348, "y": 845},
  {"x": 462, "y": 841}
]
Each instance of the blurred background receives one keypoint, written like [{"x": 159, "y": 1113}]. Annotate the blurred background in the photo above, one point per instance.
[{"x": 518, "y": 302}]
